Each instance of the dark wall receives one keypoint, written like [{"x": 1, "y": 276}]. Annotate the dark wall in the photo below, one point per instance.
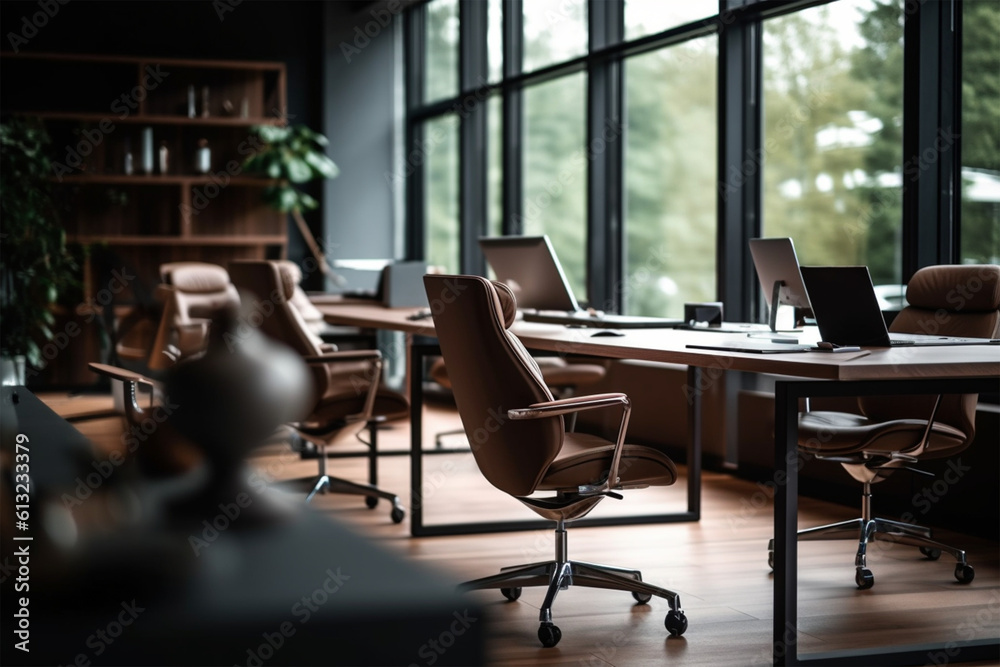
[
  {"x": 285, "y": 31},
  {"x": 363, "y": 118}
]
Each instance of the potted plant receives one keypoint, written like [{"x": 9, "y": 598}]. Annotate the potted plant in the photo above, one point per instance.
[
  {"x": 293, "y": 155},
  {"x": 35, "y": 266}
]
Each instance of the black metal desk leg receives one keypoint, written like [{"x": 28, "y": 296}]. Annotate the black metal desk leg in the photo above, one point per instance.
[
  {"x": 373, "y": 452},
  {"x": 786, "y": 501},
  {"x": 417, "y": 353},
  {"x": 694, "y": 444}
]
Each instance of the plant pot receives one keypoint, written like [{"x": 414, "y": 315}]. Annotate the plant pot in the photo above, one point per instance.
[{"x": 12, "y": 370}]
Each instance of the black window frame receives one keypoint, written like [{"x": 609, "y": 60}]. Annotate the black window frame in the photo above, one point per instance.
[{"x": 931, "y": 108}]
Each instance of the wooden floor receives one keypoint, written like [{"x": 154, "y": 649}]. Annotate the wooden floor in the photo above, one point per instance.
[{"x": 717, "y": 565}]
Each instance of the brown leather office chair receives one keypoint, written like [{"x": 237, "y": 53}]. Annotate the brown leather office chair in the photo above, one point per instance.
[
  {"x": 190, "y": 292},
  {"x": 346, "y": 382},
  {"x": 528, "y": 449},
  {"x": 311, "y": 315},
  {"x": 560, "y": 376},
  {"x": 893, "y": 432}
]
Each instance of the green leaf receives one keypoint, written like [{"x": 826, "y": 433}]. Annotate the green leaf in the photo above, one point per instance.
[
  {"x": 307, "y": 202},
  {"x": 289, "y": 199},
  {"x": 299, "y": 170},
  {"x": 322, "y": 165}
]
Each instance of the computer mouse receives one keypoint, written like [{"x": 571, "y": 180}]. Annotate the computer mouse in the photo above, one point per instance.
[{"x": 607, "y": 332}]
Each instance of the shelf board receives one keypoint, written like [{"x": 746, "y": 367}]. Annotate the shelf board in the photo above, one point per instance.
[
  {"x": 153, "y": 119},
  {"x": 253, "y": 65},
  {"x": 194, "y": 240},
  {"x": 169, "y": 179}
]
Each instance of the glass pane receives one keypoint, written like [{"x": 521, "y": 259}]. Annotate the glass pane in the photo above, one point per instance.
[
  {"x": 670, "y": 178},
  {"x": 494, "y": 174},
  {"x": 440, "y": 155},
  {"x": 833, "y": 120},
  {"x": 494, "y": 39},
  {"x": 980, "y": 212},
  {"x": 647, "y": 17},
  {"x": 554, "y": 31},
  {"x": 441, "y": 73},
  {"x": 555, "y": 172}
]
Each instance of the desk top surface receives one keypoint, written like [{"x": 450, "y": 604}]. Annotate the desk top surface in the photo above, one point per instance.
[{"x": 669, "y": 345}]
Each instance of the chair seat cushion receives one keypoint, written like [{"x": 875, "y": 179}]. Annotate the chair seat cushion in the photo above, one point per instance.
[
  {"x": 388, "y": 405},
  {"x": 844, "y": 434},
  {"x": 585, "y": 459},
  {"x": 557, "y": 373}
]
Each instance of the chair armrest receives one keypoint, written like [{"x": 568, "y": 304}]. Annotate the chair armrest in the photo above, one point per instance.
[
  {"x": 564, "y": 406},
  {"x": 116, "y": 373},
  {"x": 578, "y": 404},
  {"x": 133, "y": 413},
  {"x": 343, "y": 355}
]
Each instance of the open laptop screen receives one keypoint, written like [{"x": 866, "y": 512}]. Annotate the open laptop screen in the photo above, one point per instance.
[
  {"x": 529, "y": 266},
  {"x": 845, "y": 306}
]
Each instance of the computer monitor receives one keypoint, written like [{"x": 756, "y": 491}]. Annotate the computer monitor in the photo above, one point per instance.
[
  {"x": 780, "y": 278},
  {"x": 529, "y": 266}
]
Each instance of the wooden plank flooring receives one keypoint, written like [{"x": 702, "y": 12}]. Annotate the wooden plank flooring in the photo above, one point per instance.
[{"x": 718, "y": 565}]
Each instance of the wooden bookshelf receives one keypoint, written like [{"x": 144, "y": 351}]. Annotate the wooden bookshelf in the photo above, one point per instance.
[{"x": 98, "y": 110}]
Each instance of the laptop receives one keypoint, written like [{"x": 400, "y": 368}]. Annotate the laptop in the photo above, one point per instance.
[
  {"x": 847, "y": 311},
  {"x": 529, "y": 266},
  {"x": 399, "y": 283}
]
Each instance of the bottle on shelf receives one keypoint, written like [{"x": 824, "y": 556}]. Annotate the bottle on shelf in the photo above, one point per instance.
[
  {"x": 164, "y": 158},
  {"x": 147, "y": 150},
  {"x": 191, "y": 110},
  {"x": 128, "y": 166},
  {"x": 203, "y": 157}
]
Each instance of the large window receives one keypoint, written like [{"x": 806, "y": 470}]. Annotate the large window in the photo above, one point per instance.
[
  {"x": 650, "y": 139},
  {"x": 670, "y": 163},
  {"x": 832, "y": 144},
  {"x": 646, "y": 17},
  {"x": 555, "y": 172},
  {"x": 440, "y": 159},
  {"x": 980, "y": 212},
  {"x": 441, "y": 52},
  {"x": 554, "y": 31}
]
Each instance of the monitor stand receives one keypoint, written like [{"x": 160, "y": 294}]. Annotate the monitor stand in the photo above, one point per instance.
[{"x": 775, "y": 302}]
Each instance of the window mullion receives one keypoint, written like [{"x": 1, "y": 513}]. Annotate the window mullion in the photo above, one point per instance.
[
  {"x": 513, "y": 118},
  {"x": 473, "y": 72},
  {"x": 605, "y": 247},
  {"x": 416, "y": 70}
]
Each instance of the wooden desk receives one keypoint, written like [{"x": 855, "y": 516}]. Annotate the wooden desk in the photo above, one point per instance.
[{"x": 876, "y": 371}]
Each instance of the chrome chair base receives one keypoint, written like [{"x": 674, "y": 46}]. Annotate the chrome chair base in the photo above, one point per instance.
[
  {"x": 882, "y": 530},
  {"x": 561, "y": 573},
  {"x": 325, "y": 483}
]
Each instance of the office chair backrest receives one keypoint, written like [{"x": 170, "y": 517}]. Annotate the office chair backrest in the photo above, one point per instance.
[
  {"x": 950, "y": 300},
  {"x": 490, "y": 373},
  {"x": 307, "y": 310},
  {"x": 189, "y": 291},
  {"x": 270, "y": 286}
]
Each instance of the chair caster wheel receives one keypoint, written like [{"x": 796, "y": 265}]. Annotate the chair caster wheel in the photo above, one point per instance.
[
  {"x": 675, "y": 622},
  {"x": 931, "y": 554},
  {"x": 641, "y": 598},
  {"x": 964, "y": 573},
  {"x": 770, "y": 560},
  {"x": 511, "y": 594},
  {"x": 397, "y": 514},
  {"x": 371, "y": 502},
  {"x": 548, "y": 634},
  {"x": 864, "y": 579}
]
